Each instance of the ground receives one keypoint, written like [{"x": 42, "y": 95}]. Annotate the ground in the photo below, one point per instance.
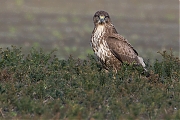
[{"x": 150, "y": 26}]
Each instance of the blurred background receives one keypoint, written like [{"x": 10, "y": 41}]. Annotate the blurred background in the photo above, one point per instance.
[{"x": 66, "y": 25}]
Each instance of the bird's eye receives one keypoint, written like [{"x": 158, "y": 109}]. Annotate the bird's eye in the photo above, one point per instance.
[
  {"x": 96, "y": 16},
  {"x": 106, "y": 18}
]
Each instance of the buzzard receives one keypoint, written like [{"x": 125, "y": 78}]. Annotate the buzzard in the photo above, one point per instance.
[{"x": 111, "y": 49}]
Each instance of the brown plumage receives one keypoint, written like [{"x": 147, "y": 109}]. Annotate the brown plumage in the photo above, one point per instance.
[{"x": 111, "y": 48}]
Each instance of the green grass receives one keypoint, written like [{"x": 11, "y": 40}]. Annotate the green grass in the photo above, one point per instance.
[{"x": 40, "y": 86}]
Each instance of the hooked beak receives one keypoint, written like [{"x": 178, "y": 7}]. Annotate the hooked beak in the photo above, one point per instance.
[{"x": 101, "y": 20}]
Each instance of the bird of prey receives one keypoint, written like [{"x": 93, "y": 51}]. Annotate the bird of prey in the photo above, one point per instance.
[{"x": 112, "y": 49}]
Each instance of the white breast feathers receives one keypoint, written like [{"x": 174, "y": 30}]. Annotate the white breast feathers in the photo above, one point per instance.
[{"x": 100, "y": 46}]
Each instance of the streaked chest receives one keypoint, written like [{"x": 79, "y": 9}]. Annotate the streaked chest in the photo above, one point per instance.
[{"x": 98, "y": 43}]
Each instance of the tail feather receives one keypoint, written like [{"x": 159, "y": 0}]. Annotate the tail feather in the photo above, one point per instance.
[
  {"x": 145, "y": 72},
  {"x": 141, "y": 61}
]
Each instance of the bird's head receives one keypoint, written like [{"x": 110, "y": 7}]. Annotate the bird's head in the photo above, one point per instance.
[{"x": 101, "y": 18}]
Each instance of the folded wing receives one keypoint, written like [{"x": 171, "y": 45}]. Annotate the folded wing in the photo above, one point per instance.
[{"x": 121, "y": 49}]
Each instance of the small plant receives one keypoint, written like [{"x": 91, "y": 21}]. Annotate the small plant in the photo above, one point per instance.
[
  {"x": 40, "y": 86},
  {"x": 169, "y": 67}
]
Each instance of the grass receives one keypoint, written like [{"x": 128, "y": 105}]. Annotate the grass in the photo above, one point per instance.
[{"x": 40, "y": 86}]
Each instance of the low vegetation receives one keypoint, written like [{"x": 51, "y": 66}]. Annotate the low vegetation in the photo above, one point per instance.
[{"x": 40, "y": 86}]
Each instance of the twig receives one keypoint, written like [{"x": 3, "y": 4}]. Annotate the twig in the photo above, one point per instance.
[{"x": 1, "y": 112}]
